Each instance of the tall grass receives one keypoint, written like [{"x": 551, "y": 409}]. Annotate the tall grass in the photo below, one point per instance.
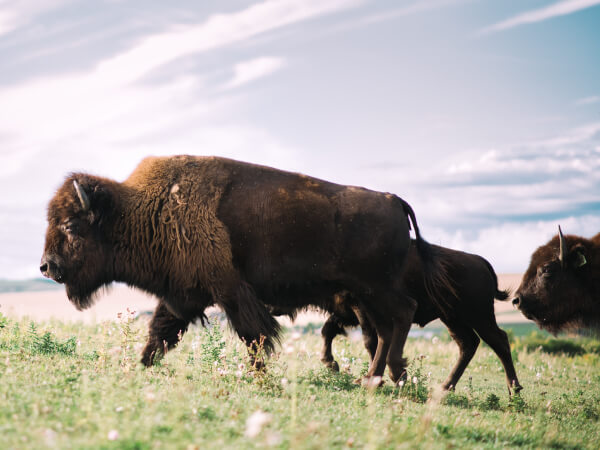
[{"x": 81, "y": 386}]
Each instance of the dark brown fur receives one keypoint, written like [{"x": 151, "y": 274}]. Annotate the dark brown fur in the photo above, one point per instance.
[
  {"x": 471, "y": 318},
  {"x": 198, "y": 231},
  {"x": 563, "y": 297}
]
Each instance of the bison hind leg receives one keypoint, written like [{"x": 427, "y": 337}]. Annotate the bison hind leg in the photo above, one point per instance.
[
  {"x": 331, "y": 328},
  {"x": 497, "y": 339}
]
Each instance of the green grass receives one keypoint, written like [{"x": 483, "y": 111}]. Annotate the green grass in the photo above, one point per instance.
[{"x": 72, "y": 386}]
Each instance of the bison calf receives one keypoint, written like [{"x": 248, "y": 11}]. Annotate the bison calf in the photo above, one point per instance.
[
  {"x": 475, "y": 287},
  {"x": 561, "y": 287}
]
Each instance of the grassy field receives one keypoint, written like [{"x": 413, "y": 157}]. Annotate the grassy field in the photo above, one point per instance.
[{"x": 81, "y": 386}]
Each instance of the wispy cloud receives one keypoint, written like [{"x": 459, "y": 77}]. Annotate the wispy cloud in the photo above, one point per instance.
[
  {"x": 508, "y": 246},
  {"x": 16, "y": 13},
  {"x": 218, "y": 31},
  {"x": 93, "y": 105},
  {"x": 588, "y": 100},
  {"x": 416, "y": 7},
  {"x": 249, "y": 71},
  {"x": 539, "y": 180},
  {"x": 561, "y": 8}
]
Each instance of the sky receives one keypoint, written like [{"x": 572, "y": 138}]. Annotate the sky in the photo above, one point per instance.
[{"x": 483, "y": 115}]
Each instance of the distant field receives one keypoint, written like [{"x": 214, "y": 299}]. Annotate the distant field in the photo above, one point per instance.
[
  {"x": 70, "y": 385},
  {"x": 41, "y": 299},
  {"x": 33, "y": 285}
]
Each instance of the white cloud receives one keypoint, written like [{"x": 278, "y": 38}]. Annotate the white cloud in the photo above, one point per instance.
[
  {"x": 588, "y": 100},
  {"x": 17, "y": 13},
  {"x": 248, "y": 71},
  {"x": 538, "y": 15},
  {"x": 218, "y": 31},
  {"x": 478, "y": 189},
  {"x": 98, "y": 107},
  {"x": 416, "y": 7},
  {"x": 508, "y": 245}
]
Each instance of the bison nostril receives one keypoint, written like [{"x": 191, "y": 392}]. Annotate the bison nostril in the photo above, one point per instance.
[
  {"x": 516, "y": 301},
  {"x": 44, "y": 268}
]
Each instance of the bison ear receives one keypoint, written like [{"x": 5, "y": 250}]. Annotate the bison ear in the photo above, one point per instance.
[{"x": 577, "y": 256}]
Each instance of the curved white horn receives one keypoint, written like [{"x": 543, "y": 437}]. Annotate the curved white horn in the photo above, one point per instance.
[
  {"x": 562, "y": 253},
  {"x": 83, "y": 198}
]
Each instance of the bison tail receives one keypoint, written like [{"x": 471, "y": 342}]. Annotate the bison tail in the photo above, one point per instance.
[
  {"x": 501, "y": 295},
  {"x": 438, "y": 283}
]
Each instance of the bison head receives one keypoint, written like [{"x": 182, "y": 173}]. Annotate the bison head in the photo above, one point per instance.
[
  {"x": 555, "y": 291},
  {"x": 75, "y": 251}
]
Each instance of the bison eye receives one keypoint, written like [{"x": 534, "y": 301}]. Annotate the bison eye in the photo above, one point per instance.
[
  {"x": 69, "y": 228},
  {"x": 548, "y": 270}
]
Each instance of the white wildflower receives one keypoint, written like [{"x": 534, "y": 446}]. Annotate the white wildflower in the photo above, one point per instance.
[
  {"x": 49, "y": 436},
  {"x": 273, "y": 439},
  {"x": 372, "y": 382},
  {"x": 113, "y": 435},
  {"x": 256, "y": 422}
]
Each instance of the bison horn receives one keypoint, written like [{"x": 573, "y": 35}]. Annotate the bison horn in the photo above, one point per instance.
[
  {"x": 562, "y": 253},
  {"x": 83, "y": 198}
]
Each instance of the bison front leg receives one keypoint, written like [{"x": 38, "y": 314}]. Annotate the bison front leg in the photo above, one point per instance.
[
  {"x": 165, "y": 331},
  {"x": 251, "y": 320},
  {"x": 467, "y": 342}
]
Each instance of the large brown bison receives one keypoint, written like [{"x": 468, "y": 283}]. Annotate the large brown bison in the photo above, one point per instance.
[
  {"x": 561, "y": 287},
  {"x": 475, "y": 285},
  {"x": 199, "y": 231}
]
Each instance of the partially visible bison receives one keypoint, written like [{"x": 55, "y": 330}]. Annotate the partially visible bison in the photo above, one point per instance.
[
  {"x": 199, "y": 231},
  {"x": 561, "y": 288},
  {"x": 475, "y": 285}
]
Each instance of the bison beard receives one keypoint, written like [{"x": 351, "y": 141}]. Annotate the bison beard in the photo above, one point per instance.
[{"x": 201, "y": 231}]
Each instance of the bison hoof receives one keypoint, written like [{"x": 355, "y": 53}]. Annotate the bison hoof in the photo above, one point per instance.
[
  {"x": 516, "y": 388},
  {"x": 148, "y": 358},
  {"x": 258, "y": 364},
  {"x": 333, "y": 365},
  {"x": 396, "y": 379},
  {"x": 372, "y": 382}
]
